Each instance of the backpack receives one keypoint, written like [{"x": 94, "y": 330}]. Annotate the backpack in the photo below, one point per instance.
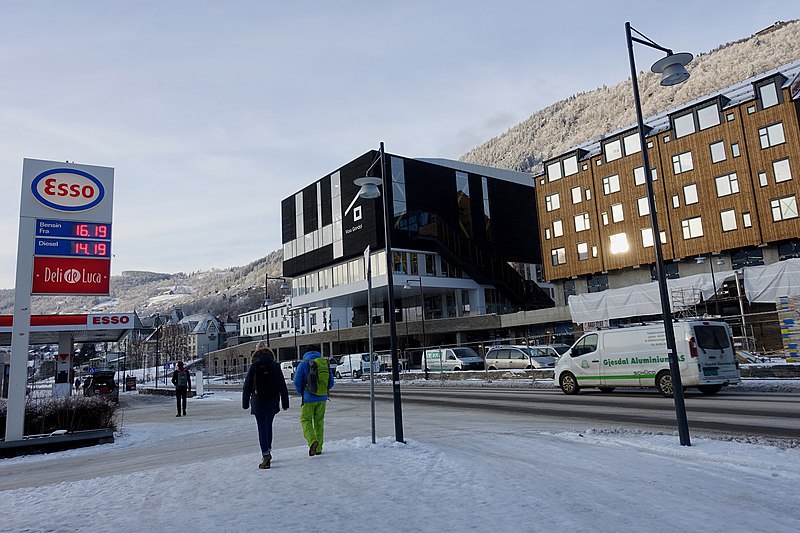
[
  {"x": 319, "y": 376},
  {"x": 182, "y": 379},
  {"x": 264, "y": 381}
]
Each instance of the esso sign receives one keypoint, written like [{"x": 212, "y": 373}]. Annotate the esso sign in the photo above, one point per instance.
[
  {"x": 67, "y": 189},
  {"x": 120, "y": 321}
]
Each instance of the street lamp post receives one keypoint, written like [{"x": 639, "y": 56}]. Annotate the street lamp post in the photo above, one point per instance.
[
  {"x": 283, "y": 286},
  {"x": 673, "y": 72},
  {"x": 157, "y": 324},
  {"x": 369, "y": 189},
  {"x": 418, "y": 279}
]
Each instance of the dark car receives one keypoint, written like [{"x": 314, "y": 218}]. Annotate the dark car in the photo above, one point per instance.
[{"x": 101, "y": 383}]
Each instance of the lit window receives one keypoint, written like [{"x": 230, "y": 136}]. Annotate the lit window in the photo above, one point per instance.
[
  {"x": 784, "y": 208},
  {"x": 576, "y": 195},
  {"x": 632, "y": 144},
  {"x": 771, "y": 135},
  {"x": 581, "y": 222},
  {"x": 692, "y": 228},
  {"x": 571, "y": 166},
  {"x": 684, "y": 125},
  {"x": 726, "y": 185},
  {"x": 644, "y": 206},
  {"x": 718, "y": 152},
  {"x": 583, "y": 251},
  {"x": 708, "y": 117},
  {"x": 682, "y": 162},
  {"x": 728, "y": 218},
  {"x": 618, "y": 243},
  {"x": 747, "y": 221},
  {"x": 611, "y": 184},
  {"x": 617, "y": 214},
  {"x": 781, "y": 170},
  {"x": 690, "y": 194},
  {"x": 558, "y": 256},
  {"x": 769, "y": 95},
  {"x": 558, "y": 228},
  {"x": 613, "y": 150},
  {"x": 552, "y": 202},
  {"x": 554, "y": 171}
]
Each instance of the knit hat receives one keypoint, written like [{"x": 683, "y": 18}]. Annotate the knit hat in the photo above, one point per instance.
[{"x": 180, "y": 364}]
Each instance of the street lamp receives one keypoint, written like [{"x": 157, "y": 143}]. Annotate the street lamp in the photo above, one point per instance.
[
  {"x": 700, "y": 261},
  {"x": 673, "y": 71},
  {"x": 369, "y": 190},
  {"x": 422, "y": 306},
  {"x": 283, "y": 286},
  {"x": 157, "y": 324}
]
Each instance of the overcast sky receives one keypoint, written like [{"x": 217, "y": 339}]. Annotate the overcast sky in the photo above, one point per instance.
[{"x": 212, "y": 112}]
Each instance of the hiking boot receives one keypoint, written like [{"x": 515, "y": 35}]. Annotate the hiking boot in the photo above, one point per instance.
[
  {"x": 312, "y": 450},
  {"x": 184, "y": 412},
  {"x": 267, "y": 457}
]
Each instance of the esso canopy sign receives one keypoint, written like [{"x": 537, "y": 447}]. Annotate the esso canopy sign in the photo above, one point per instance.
[
  {"x": 113, "y": 321},
  {"x": 67, "y": 189}
]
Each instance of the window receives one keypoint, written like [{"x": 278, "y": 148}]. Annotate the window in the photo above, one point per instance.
[
  {"x": 552, "y": 202},
  {"x": 558, "y": 228},
  {"x": 728, "y": 184},
  {"x": 639, "y": 177},
  {"x": 588, "y": 194},
  {"x": 611, "y": 184},
  {"x": 789, "y": 250},
  {"x": 683, "y": 125},
  {"x": 771, "y": 135},
  {"x": 692, "y": 228},
  {"x": 769, "y": 95},
  {"x": 729, "y": 117},
  {"x": 613, "y": 150},
  {"x": 581, "y": 222},
  {"x": 547, "y": 234},
  {"x": 604, "y": 218},
  {"x": 690, "y": 194},
  {"x": 735, "y": 150},
  {"x": 762, "y": 179},
  {"x": 708, "y": 117},
  {"x": 617, "y": 214},
  {"x": 558, "y": 256},
  {"x": 576, "y": 195},
  {"x": 618, "y": 243},
  {"x": 671, "y": 271},
  {"x": 728, "y": 218},
  {"x": 569, "y": 289},
  {"x": 554, "y": 171},
  {"x": 781, "y": 170},
  {"x": 749, "y": 257},
  {"x": 571, "y": 166},
  {"x": 647, "y": 237},
  {"x": 718, "y": 152},
  {"x": 583, "y": 251},
  {"x": 598, "y": 283},
  {"x": 751, "y": 109},
  {"x": 644, "y": 206},
  {"x": 784, "y": 208},
  {"x": 682, "y": 162},
  {"x": 676, "y": 201},
  {"x": 747, "y": 220},
  {"x": 632, "y": 144}
]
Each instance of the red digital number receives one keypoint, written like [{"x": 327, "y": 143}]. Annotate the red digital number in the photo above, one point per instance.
[
  {"x": 100, "y": 249},
  {"x": 82, "y": 248},
  {"x": 82, "y": 230},
  {"x": 101, "y": 231}
]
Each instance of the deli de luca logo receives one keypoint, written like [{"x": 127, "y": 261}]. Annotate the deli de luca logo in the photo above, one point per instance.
[{"x": 67, "y": 189}]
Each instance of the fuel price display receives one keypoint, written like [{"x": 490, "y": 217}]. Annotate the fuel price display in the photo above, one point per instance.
[{"x": 72, "y": 239}]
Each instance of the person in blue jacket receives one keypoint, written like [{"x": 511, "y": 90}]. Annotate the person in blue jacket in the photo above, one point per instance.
[
  {"x": 264, "y": 392},
  {"x": 312, "y": 411}
]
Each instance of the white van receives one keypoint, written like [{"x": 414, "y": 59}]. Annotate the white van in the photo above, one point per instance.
[
  {"x": 355, "y": 365},
  {"x": 451, "y": 359},
  {"x": 637, "y": 357}
]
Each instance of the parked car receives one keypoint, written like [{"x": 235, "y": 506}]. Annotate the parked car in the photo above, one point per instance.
[
  {"x": 451, "y": 359},
  {"x": 101, "y": 383},
  {"x": 519, "y": 357}
]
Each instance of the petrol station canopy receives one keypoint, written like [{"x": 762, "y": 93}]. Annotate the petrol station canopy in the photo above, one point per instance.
[{"x": 45, "y": 329}]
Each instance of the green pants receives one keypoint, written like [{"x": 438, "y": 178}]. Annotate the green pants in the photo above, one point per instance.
[{"x": 312, "y": 419}]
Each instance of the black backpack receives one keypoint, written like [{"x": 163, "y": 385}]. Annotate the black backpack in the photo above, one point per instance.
[{"x": 264, "y": 379}]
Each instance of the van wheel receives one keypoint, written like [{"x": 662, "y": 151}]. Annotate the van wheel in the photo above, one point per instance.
[
  {"x": 357, "y": 374},
  {"x": 664, "y": 383},
  {"x": 708, "y": 390},
  {"x": 338, "y": 375},
  {"x": 606, "y": 389},
  {"x": 492, "y": 368},
  {"x": 568, "y": 383},
  {"x": 456, "y": 369}
]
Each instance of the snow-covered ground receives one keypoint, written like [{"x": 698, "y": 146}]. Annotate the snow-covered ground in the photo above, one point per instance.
[{"x": 458, "y": 471}]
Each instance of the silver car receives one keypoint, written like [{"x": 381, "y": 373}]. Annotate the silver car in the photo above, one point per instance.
[{"x": 518, "y": 357}]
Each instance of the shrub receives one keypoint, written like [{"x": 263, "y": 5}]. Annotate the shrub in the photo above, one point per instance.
[{"x": 73, "y": 413}]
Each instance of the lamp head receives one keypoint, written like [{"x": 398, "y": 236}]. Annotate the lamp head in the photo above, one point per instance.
[
  {"x": 700, "y": 260},
  {"x": 369, "y": 187},
  {"x": 406, "y": 286},
  {"x": 673, "y": 68}
]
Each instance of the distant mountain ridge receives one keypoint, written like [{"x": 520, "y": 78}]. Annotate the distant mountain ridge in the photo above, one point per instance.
[{"x": 546, "y": 133}]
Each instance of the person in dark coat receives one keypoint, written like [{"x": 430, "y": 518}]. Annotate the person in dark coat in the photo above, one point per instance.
[
  {"x": 183, "y": 384},
  {"x": 265, "y": 392}
]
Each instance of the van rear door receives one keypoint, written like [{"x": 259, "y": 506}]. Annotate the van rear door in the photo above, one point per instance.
[{"x": 715, "y": 356}]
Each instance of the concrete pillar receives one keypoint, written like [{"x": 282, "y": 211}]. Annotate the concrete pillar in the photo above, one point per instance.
[{"x": 198, "y": 383}]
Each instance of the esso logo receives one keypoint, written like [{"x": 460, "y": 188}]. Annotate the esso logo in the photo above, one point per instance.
[
  {"x": 67, "y": 189},
  {"x": 105, "y": 320}
]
